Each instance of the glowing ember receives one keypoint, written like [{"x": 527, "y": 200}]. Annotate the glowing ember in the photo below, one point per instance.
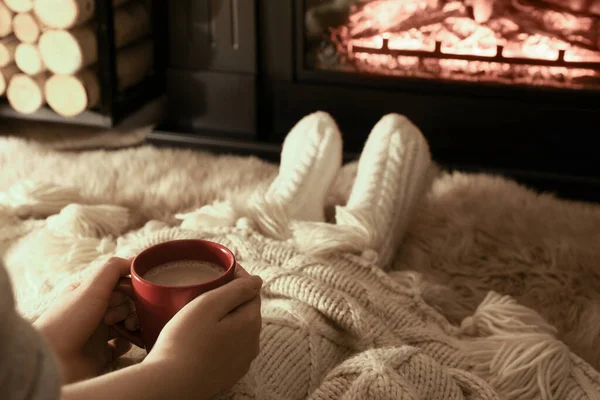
[{"x": 510, "y": 41}]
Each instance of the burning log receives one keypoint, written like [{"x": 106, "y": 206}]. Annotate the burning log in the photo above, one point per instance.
[
  {"x": 533, "y": 18},
  {"x": 507, "y": 18},
  {"x": 591, "y": 7},
  {"x": 482, "y": 9},
  {"x": 382, "y": 16},
  {"x": 419, "y": 20},
  {"x": 509, "y": 41}
]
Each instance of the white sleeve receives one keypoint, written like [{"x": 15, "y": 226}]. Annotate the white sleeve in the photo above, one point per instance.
[{"x": 28, "y": 370}]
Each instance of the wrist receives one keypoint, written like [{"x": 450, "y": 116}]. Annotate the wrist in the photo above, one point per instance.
[
  {"x": 54, "y": 349},
  {"x": 190, "y": 382},
  {"x": 46, "y": 333},
  {"x": 148, "y": 381}
]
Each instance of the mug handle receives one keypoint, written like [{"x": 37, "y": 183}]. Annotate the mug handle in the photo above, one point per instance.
[{"x": 124, "y": 286}]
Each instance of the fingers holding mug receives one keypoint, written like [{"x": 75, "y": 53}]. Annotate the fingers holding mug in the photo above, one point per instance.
[
  {"x": 118, "y": 313},
  {"x": 131, "y": 322},
  {"x": 240, "y": 272}
]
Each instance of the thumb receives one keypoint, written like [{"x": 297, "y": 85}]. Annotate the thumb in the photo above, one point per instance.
[{"x": 222, "y": 300}]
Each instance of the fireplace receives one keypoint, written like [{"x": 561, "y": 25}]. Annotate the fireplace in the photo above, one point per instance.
[
  {"x": 507, "y": 86},
  {"x": 542, "y": 43}
]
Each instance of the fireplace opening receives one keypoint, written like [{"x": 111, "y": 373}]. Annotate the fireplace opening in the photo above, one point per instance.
[
  {"x": 547, "y": 43},
  {"x": 504, "y": 86}
]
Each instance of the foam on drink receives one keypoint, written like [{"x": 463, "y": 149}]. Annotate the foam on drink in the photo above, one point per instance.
[{"x": 183, "y": 273}]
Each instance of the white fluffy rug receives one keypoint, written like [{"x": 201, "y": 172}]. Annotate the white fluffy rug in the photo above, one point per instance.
[{"x": 473, "y": 234}]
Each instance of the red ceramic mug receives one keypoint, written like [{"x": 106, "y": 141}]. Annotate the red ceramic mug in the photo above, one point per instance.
[{"x": 156, "y": 304}]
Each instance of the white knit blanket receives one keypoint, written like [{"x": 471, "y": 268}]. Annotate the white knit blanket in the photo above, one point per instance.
[{"x": 453, "y": 319}]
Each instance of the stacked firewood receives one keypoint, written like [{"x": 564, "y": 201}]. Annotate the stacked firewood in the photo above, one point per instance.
[{"x": 49, "y": 52}]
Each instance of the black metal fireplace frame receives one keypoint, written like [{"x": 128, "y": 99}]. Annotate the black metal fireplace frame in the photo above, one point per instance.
[{"x": 546, "y": 137}]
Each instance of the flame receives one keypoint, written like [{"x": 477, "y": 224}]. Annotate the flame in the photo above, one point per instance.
[{"x": 378, "y": 22}]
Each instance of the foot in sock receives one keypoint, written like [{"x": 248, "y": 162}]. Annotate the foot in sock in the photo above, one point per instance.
[
  {"x": 391, "y": 179},
  {"x": 310, "y": 160}
]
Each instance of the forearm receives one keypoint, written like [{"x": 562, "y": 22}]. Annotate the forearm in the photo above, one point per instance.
[{"x": 147, "y": 381}]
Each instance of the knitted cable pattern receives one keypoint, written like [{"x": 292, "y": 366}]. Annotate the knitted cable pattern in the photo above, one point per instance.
[
  {"x": 310, "y": 159},
  {"x": 336, "y": 325},
  {"x": 392, "y": 175}
]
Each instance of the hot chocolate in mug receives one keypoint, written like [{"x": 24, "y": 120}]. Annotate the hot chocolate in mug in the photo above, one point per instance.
[{"x": 156, "y": 304}]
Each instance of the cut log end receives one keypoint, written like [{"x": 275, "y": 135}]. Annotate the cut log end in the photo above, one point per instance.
[
  {"x": 6, "y": 73},
  {"x": 70, "y": 95},
  {"x": 28, "y": 59},
  {"x": 19, "y": 6},
  {"x": 61, "y": 52},
  {"x": 6, "y": 17},
  {"x": 64, "y": 14},
  {"x": 26, "y": 93},
  {"x": 26, "y": 28}
]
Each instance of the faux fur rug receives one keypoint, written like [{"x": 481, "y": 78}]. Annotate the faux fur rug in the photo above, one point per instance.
[{"x": 472, "y": 234}]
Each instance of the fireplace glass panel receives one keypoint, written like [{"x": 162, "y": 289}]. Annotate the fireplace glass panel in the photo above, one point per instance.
[{"x": 549, "y": 43}]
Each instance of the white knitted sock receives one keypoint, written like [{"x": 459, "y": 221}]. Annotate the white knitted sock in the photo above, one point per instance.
[
  {"x": 310, "y": 159},
  {"x": 391, "y": 178}
]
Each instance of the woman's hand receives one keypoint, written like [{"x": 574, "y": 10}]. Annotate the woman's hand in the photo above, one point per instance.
[
  {"x": 78, "y": 328},
  {"x": 204, "y": 350},
  {"x": 209, "y": 345}
]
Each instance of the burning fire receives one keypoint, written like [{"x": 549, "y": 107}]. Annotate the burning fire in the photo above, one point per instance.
[{"x": 476, "y": 39}]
